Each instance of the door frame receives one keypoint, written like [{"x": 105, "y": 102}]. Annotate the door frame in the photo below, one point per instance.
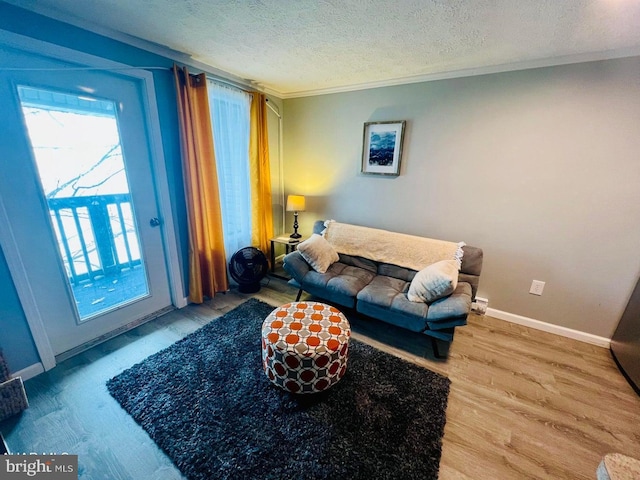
[{"x": 169, "y": 235}]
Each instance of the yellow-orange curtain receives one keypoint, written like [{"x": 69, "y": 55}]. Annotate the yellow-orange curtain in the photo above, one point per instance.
[
  {"x": 207, "y": 261},
  {"x": 260, "y": 173}
]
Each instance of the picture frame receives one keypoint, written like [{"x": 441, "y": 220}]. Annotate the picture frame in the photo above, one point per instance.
[{"x": 382, "y": 148}]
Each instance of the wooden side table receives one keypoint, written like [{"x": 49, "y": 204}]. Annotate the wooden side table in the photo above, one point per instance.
[{"x": 290, "y": 245}]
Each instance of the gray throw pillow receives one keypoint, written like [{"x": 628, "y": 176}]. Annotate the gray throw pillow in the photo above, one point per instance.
[
  {"x": 318, "y": 253},
  {"x": 433, "y": 282}
]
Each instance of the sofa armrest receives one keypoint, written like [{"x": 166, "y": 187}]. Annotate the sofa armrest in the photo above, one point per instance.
[
  {"x": 296, "y": 266},
  {"x": 472, "y": 260}
]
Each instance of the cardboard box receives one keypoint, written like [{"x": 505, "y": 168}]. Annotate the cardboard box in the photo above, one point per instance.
[
  {"x": 13, "y": 398},
  {"x": 4, "y": 369}
]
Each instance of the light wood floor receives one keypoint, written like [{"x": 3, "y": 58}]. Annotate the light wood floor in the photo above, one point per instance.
[{"x": 523, "y": 403}]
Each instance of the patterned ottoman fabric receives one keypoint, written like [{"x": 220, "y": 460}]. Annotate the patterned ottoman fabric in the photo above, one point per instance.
[{"x": 305, "y": 346}]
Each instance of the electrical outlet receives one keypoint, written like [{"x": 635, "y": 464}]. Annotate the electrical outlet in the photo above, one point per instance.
[{"x": 536, "y": 287}]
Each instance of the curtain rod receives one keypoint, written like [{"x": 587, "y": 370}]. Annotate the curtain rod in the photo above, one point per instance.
[
  {"x": 272, "y": 109},
  {"x": 209, "y": 76},
  {"x": 223, "y": 81},
  {"x": 114, "y": 69}
]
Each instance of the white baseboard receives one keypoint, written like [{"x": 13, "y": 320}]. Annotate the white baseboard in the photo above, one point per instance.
[
  {"x": 29, "y": 372},
  {"x": 550, "y": 328},
  {"x": 183, "y": 303}
]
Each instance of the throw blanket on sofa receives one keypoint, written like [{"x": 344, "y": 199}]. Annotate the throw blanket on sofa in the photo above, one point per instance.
[{"x": 407, "y": 251}]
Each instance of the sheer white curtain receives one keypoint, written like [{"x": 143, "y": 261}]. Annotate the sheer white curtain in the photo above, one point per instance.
[{"x": 230, "y": 109}]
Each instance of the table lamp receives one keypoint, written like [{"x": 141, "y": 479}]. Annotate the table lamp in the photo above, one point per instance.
[{"x": 295, "y": 204}]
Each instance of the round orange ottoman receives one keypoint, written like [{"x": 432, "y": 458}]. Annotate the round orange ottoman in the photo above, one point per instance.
[{"x": 305, "y": 346}]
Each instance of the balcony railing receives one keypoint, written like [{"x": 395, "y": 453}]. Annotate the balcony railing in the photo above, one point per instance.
[{"x": 96, "y": 235}]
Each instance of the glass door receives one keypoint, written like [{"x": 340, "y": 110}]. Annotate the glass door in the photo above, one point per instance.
[
  {"x": 78, "y": 189},
  {"x": 78, "y": 155}
]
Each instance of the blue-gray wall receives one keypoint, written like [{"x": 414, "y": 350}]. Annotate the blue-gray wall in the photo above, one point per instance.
[
  {"x": 18, "y": 343},
  {"x": 15, "y": 341}
]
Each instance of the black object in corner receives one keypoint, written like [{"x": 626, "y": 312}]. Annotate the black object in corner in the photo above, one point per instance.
[{"x": 625, "y": 344}]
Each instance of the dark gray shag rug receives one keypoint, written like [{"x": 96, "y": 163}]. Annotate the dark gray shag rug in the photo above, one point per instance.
[{"x": 207, "y": 403}]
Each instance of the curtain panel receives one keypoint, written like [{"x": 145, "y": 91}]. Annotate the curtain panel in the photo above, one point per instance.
[
  {"x": 230, "y": 117},
  {"x": 207, "y": 261},
  {"x": 261, "y": 203}
]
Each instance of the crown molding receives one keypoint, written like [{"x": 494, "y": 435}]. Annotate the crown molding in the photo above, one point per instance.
[
  {"x": 470, "y": 72},
  {"x": 269, "y": 90}
]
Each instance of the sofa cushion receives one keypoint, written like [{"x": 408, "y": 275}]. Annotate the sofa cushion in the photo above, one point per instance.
[
  {"x": 456, "y": 305},
  {"x": 383, "y": 290},
  {"x": 385, "y": 298},
  {"x": 391, "y": 292},
  {"x": 318, "y": 253},
  {"x": 339, "y": 278},
  {"x": 388, "y": 295},
  {"x": 436, "y": 281}
]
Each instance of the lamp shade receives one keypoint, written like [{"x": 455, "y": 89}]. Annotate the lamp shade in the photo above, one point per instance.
[{"x": 295, "y": 203}]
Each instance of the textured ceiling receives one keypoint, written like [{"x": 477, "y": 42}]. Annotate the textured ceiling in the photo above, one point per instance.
[{"x": 295, "y": 47}]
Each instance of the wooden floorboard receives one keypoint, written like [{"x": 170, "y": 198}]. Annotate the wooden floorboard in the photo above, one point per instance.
[{"x": 523, "y": 403}]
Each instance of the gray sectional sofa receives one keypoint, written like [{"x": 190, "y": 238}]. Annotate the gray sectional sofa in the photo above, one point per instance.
[{"x": 379, "y": 290}]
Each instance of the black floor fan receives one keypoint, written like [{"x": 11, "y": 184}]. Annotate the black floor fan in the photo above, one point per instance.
[{"x": 247, "y": 267}]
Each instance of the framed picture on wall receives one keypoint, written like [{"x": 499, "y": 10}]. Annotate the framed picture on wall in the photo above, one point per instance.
[{"x": 382, "y": 148}]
